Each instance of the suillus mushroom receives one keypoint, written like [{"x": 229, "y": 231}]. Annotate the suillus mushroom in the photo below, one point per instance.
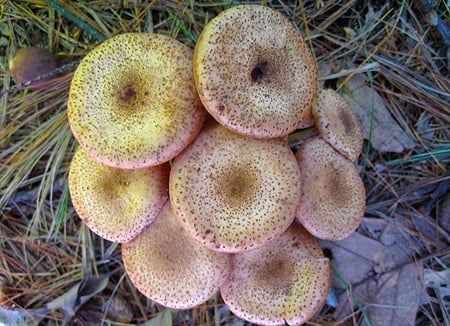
[
  {"x": 333, "y": 197},
  {"x": 168, "y": 266},
  {"x": 30, "y": 63},
  {"x": 132, "y": 101},
  {"x": 254, "y": 72},
  {"x": 337, "y": 123},
  {"x": 284, "y": 281},
  {"x": 116, "y": 203},
  {"x": 232, "y": 192}
]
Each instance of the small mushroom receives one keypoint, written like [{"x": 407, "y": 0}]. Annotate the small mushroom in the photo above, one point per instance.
[
  {"x": 133, "y": 102},
  {"x": 337, "y": 123},
  {"x": 30, "y": 63},
  {"x": 254, "y": 72},
  {"x": 333, "y": 196},
  {"x": 168, "y": 266},
  {"x": 285, "y": 281},
  {"x": 115, "y": 203},
  {"x": 232, "y": 192}
]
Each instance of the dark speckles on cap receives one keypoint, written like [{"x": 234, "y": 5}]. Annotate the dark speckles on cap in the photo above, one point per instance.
[
  {"x": 333, "y": 196},
  {"x": 116, "y": 204},
  {"x": 254, "y": 72},
  {"x": 285, "y": 280},
  {"x": 337, "y": 123},
  {"x": 168, "y": 266},
  {"x": 232, "y": 192},
  {"x": 133, "y": 102}
]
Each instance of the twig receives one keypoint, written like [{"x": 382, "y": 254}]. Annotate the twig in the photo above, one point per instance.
[{"x": 53, "y": 73}]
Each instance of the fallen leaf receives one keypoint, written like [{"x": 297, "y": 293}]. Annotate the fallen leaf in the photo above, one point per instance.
[
  {"x": 437, "y": 280},
  {"x": 383, "y": 278},
  {"x": 163, "y": 319},
  {"x": 78, "y": 295},
  {"x": 387, "y": 135},
  {"x": 15, "y": 317}
]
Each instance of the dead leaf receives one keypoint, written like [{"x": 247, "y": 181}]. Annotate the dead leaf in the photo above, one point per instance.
[
  {"x": 387, "y": 135},
  {"x": 438, "y": 280},
  {"x": 163, "y": 319},
  {"x": 78, "y": 295},
  {"x": 381, "y": 274},
  {"x": 15, "y": 317}
]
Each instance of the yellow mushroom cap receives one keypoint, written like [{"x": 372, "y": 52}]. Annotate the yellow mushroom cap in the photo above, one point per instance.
[
  {"x": 115, "y": 203},
  {"x": 285, "y": 281},
  {"x": 168, "y": 266},
  {"x": 337, "y": 123},
  {"x": 333, "y": 197},
  {"x": 254, "y": 72},
  {"x": 133, "y": 102},
  {"x": 234, "y": 193}
]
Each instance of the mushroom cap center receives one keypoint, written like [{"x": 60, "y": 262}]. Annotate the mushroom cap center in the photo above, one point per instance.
[{"x": 238, "y": 186}]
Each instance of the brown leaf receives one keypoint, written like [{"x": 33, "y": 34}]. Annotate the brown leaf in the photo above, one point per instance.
[
  {"x": 382, "y": 276},
  {"x": 71, "y": 301},
  {"x": 164, "y": 318},
  {"x": 387, "y": 135}
]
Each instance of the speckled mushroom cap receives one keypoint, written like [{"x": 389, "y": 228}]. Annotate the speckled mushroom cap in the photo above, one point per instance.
[
  {"x": 254, "y": 72},
  {"x": 133, "y": 102},
  {"x": 286, "y": 280},
  {"x": 234, "y": 193},
  {"x": 333, "y": 197},
  {"x": 337, "y": 123},
  {"x": 168, "y": 266},
  {"x": 115, "y": 203}
]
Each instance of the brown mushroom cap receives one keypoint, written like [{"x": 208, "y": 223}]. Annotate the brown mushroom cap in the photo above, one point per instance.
[
  {"x": 30, "y": 63},
  {"x": 232, "y": 192},
  {"x": 337, "y": 123},
  {"x": 333, "y": 196},
  {"x": 168, "y": 266},
  {"x": 133, "y": 102},
  {"x": 286, "y": 280},
  {"x": 254, "y": 72},
  {"x": 115, "y": 203}
]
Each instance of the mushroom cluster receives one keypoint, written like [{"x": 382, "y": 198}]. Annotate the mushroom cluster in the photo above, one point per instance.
[{"x": 184, "y": 160}]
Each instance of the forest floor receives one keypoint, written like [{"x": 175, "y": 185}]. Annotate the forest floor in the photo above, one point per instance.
[{"x": 389, "y": 59}]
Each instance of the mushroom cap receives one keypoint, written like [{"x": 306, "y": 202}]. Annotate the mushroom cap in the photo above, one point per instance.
[
  {"x": 254, "y": 72},
  {"x": 333, "y": 197},
  {"x": 133, "y": 102},
  {"x": 286, "y": 280},
  {"x": 168, "y": 266},
  {"x": 115, "y": 203},
  {"x": 232, "y": 192},
  {"x": 31, "y": 62},
  {"x": 337, "y": 123}
]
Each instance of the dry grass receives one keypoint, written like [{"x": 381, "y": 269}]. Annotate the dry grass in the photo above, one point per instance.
[{"x": 45, "y": 249}]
